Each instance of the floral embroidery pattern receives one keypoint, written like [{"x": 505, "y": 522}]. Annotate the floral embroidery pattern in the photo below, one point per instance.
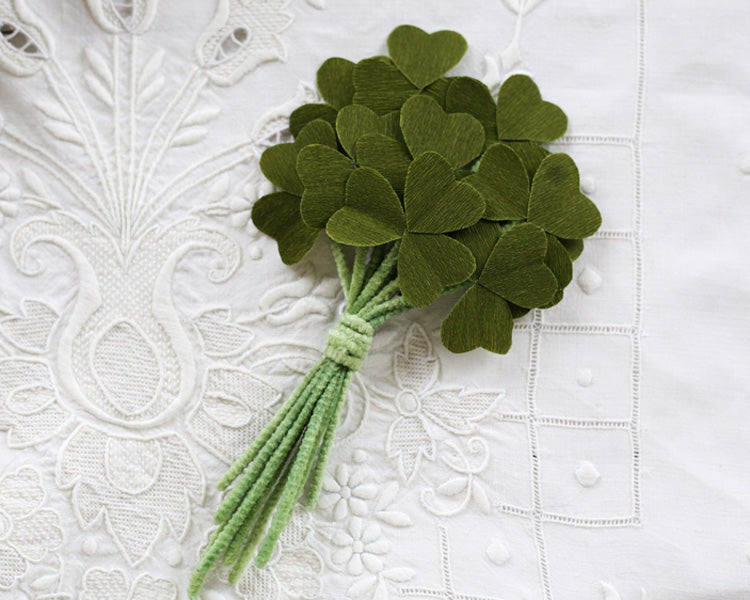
[{"x": 27, "y": 531}]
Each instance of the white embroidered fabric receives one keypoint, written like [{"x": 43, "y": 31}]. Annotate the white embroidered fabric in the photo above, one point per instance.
[{"x": 148, "y": 331}]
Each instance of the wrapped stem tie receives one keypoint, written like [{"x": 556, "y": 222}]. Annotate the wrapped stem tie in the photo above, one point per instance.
[{"x": 438, "y": 187}]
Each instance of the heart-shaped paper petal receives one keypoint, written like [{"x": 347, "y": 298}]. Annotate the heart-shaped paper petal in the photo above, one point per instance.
[
  {"x": 427, "y": 264},
  {"x": 336, "y": 82},
  {"x": 279, "y": 163},
  {"x": 481, "y": 238},
  {"x": 471, "y": 96},
  {"x": 278, "y": 215},
  {"x": 502, "y": 181},
  {"x": 373, "y": 214},
  {"x": 515, "y": 269},
  {"x": 324, "y": 173},
  {"x": 479, "y": 319},
  {"x": 424, "y": 57},
  {"x": 387, "y": 156},
  {"x": 458, "y": 137},
  {"x": 379, "y": 85},
  {"x": 356, "y": 120},
  {"x": 309, "y": 112},
  {"x": 558, "y": 261},
  {"x": 434, "y": 201},
  {"x": 438, "y": 90},
  {"x": 523, "y": 115},
  {"x": 573, "y": 247},
  {"x": 557, "y": 204},
  {"x": 531, "y": 155}
]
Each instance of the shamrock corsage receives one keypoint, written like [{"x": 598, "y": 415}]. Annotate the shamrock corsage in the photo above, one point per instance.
[{"x": 423, "y": 185}]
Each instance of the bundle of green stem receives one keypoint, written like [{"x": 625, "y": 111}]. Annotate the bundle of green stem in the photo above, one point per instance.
[{"x": 293, "y": 449}]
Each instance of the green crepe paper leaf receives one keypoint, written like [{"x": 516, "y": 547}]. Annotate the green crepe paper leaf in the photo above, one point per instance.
[
  {"x": 502, "y": 181},
  {"x": 523, "y": 115},
  {"x": 424, "y": 57},
  {"x": 574, "y": 247},
  {"x": 458, "y": 137},
  {"x": 531, "y": 155},
  {"x": 479, "y": 319},
  {"x": 336, "y": 82},
  {"x": 427, "y": 264},
  {"x": 389, "y": 157},
  {"x": 279, "y": 163},
  {"x": 324, "y": 173},
  {"x": 373, "y": 214},
  {"x": 558, "y": 261},
  {"x": 515, "y": 269},
  {"x": 278, "y": 215},
  {"x": 438, "y": 90},
  {"x": 481, "y": 238},
  {"x": 557, "y": 204},
  {"x": 380, "y": 86},
  {"x": 469, "y": 95},
  {"x": 518, "y": 311},
  {"x": 356, "y": 120},
  {"x": 309, "y": 112},
  {"x": 434, "y": 201}
]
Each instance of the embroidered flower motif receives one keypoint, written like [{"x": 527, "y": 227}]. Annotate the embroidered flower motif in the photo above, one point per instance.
[
  {"x": 347, "y": 492},
  {"x": 422, "y": 405},
  {"x": 99, "y": 584},
  {"x": 294, "y": 569},
  {"x": 361, "y": 547},
  {"x": 27, "y": 531},
  {"x": 123, "y": 16},
  {"x": 242, "y": 35},
  {"x": 130, "y": 483},
  {"x": 9, "y": 195}
]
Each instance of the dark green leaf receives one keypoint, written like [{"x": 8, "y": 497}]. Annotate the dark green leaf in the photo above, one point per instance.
[
  {"x": 324, "y": 173},
  {"x": 557, "y": 204},
  {"x": 479, "y": 319},
  {"x": 481, "y": 239},
  {"x": 523, "y": 115},
  {"x": 435, "y": 202},
  {"x": 379, "y": 85},
  {"x": 424, "y": 57},
  {"x": 278, "y": 215},
  {"x": 503, "y": 183},
  {"x": 515, "y": 268},
  {"x": 468, "y": 95},
  {"x": 427, "y": 264},
  {"x": 336, "y": 82},
  {"x": 356, "y": 120},
  {"x": 559, "y": 263},
  {"x": 387, "y": 156},
  {"x": 309, "y": 112},
  {"x": 531, "y": 155},
  {"x": 459, "y": 138}
]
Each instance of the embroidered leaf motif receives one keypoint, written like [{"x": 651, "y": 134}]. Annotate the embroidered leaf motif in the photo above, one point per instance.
[
  {"x": 457, "y": 410},
  {"x": 408, "y": 441},
  {"x": 424, "y": 57},
  {"x": 150, "y": 80},
  {"x": 100, "y": 79},
  {"x": 523, "y": 115}
]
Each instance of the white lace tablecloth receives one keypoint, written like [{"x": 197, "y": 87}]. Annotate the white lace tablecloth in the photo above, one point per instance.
[{"x": 147, "y": 330}]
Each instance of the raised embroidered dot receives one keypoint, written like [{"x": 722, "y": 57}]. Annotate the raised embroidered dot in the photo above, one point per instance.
[
  {"x": 584, "y": 377},
  {"x": 173, "y": 555},
  {"x": 256, "y": 253},
  {"x": 359, "y": 456},
  {"x": 586, "y": 474},
  {"x": 498, "y": 552},
  {"x": 90, "y": 546},
  {"x": 588, "y": 185},
  {"x": 745, "y": 164},
  {"x": 589, "y": 280}
]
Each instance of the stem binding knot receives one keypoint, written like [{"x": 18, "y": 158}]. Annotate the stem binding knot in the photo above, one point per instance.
[{"x": 349, "y": 341}]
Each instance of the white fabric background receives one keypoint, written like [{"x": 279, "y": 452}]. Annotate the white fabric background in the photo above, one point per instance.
[{"x": 605, "y": 457}]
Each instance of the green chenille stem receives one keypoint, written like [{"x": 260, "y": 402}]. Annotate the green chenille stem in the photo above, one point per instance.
[
  {"x": 299, "y": 472},
  {"x": 378, "y": 279},
  {"x": 342, "y": 266},
  {"x": 358, "y": 273},
  {"x": 386, "y": 293},
  {"x": 316, "y": 479},
  {"x": 293, "y": 419},
  {"x": 241, "y": 463},
  {"x": 376, "y": 257}
]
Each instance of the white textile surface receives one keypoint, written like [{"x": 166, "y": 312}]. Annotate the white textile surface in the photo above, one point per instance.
[{"x": 147, "y": 329}]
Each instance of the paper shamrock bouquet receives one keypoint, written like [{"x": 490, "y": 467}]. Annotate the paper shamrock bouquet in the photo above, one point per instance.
[{"x": 423, "y": 185}]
